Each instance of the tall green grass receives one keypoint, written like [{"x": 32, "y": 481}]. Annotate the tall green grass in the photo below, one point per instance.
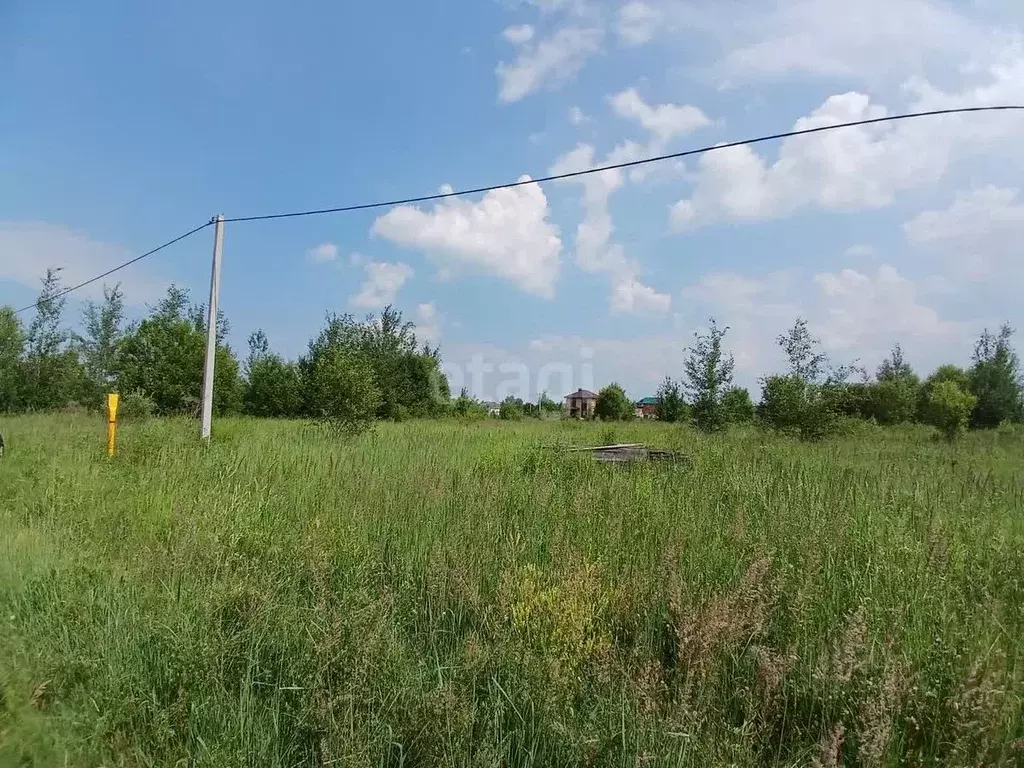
[{"x": 461, "y": 594}]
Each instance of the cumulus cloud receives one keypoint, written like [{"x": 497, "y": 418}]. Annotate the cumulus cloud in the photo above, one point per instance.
[
  {"x": 507, "y": 234},
  {"x": 858, "y": 315},
  {"x": 977, "y": 237},
  {"x": 382, "y": 284},
  {"x": 549, "y": 61},
  {"x": 664, "y": 122},
  {"x": 322, "y": 253},
  {"x": 27, "y": 249},
  {"x": 518, "y": 34},
  {"x": 428, "y": 323},
  {"x": 638, "y": 22},
  {"x": 594, "y": 250},
  {"x": 862, "y": 167}
]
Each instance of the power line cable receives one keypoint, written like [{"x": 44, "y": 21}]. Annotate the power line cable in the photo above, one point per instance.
[
  {"x": 540, "y": 180},
  {"x": 629, "y": 164},
  {"x": 118, "y": 268}
]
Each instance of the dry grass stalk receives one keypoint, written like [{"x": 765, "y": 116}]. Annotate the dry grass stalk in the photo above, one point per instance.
[{"x": 829, "y": 755}]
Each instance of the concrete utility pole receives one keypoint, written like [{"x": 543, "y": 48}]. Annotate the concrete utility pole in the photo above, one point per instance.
[{"x": 211, "y": 328}]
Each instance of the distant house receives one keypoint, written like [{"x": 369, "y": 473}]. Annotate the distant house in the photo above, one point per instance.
[
  {"x": 493, "y": 409},
  {"x": 647, "y": 408},
  {"x": 581, "y": 404}
]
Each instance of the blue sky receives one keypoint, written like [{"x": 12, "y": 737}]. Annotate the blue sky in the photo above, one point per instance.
[{"x": 123, "y": 125}]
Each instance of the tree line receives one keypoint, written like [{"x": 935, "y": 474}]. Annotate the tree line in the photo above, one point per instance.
[
  {"x": 353, "y": 371},
  {"x": 356, "y": 371},
  {"x": 815, "y": 398}
]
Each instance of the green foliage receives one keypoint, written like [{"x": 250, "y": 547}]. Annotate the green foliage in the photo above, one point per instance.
[
  {"x": 952, "y": 373},
  {"x": 12, "y": 347},
  {"x": 806, "y": 361},
  {"x": 450, "y": 595},
  {"x": 135, "y": 405},
  {"x": 511, "y": 409},
  {"x": 783, "y": 402},
  {"x": 951, "y": 408},
  {"x": 164, "y": 355},
  {"x": 737, "y": 406},
  {"x": 273, "y": 387},
  {"x": 708, "y": 375},
  {"x": 50, "y": 368},
  {"x": 613, "y": 405},
  {"x": 465, "y": 406},
  {"x": 893, "y": 401},
  {"x": 547, "y": 406},
  {"x": 671, "y": 405},
  {"x": 995, "y": 380},
  {"x": 340, "y": 385},
  {"x": 99, "y": 344}
]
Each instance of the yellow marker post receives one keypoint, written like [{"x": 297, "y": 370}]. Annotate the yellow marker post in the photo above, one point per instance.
[{"x": 111, "y": 422}]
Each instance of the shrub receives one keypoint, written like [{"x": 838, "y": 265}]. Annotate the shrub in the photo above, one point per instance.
[
  {"x": 737, "y": 406},
  {"x": 613, "y": 405},
  {"x": 951, "y": 408},
  {"x": 511, "y": 409},
  {"x": 135, "y": 405}
]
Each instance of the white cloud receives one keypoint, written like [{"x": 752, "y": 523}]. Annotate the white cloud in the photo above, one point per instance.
[
  {"x": 518, "y": 34},
  {"x": 549, "y": 61},
  {"x": 978, "y": 236},
  {"x": 862, "y": 167},
  {"x": 428, "y": 323},
  {"x": 638, "y": 22},
  {"x": 594, "y": 250},
  {"x": 576, "y": 116},
  {"x": 507, "y": 234},
  {"x": 383, "y": 282},
  {"x": 857, "y": 315},
  {"x": 322, "y": 253},
  {"x": 865, "y": 313},
  {"x": 876, "y": 41},
  {"x": 27, "y": 249},
  {"x": 664, "y": 121},
  {"x": 860, "y": 251}
]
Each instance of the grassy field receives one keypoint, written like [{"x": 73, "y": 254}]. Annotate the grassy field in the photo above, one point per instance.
[{"x": 456, "y": 594}]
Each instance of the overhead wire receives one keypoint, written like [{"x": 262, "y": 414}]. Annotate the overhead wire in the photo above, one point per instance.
[
  {"x": 544, "y": 179},
  {"x": 620, "y": 166},
  {"x": 118, "y": 268}
]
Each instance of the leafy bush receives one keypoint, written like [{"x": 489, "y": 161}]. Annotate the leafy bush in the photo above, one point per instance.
[
  {"x": 135, "y": 405},
  {"x": 951, "y": 408},
  {"x": 737, "y": 406},
  {"x": 511, "y": 409},
  {"x": 613, "y": 405},
  {"x": 671, "y": 406},
  {"x": 783, "y": 402}
]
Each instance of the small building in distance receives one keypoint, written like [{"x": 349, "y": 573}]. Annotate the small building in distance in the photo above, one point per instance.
[
  {"x": 493, "y": 409},
  {"x": 581, "y": 404},
  {"x": 647, "y": 408}
]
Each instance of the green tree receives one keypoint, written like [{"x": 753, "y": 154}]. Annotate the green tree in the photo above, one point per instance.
[
  {"x": 948, "y": 372},
  {"x": 806, "y": 360},
  {"x": 893, "y": 399},
  {"x": 468, "y": 407},
  {"x": 671, "y": 405},
  {"x": 339, "y": 381},
  {"x": 950, "y": 408},
  {"x": 613, "y": 405},
  {"x": 995, "y": 380},
  {"x": 783, "y": 402},
  {"x": 273, "y": 388},
  {"x": 548, "y": 406},
  {"x": 511, "y": 409},
  {"x": 51, "y": 370},
  {"x": 737, "y": 406},
  {"x": 708, "y": 375},
  {"x": 12, "y": 347},
  {"x": 163, "y": 358},
  {"x": 100, "y": 341}
]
